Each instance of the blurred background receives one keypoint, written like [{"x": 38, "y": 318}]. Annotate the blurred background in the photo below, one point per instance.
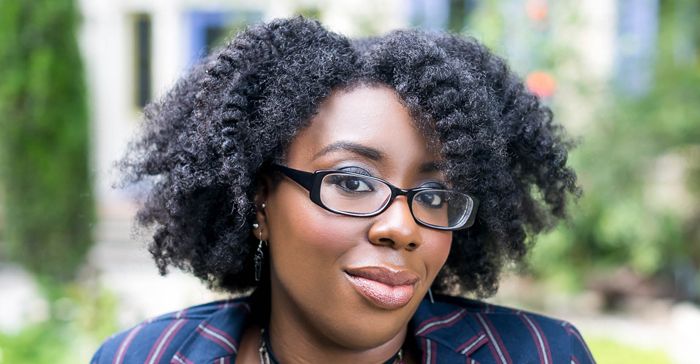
[{"x": 623, "y": 76}]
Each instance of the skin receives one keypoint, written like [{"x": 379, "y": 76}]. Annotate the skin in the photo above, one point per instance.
[{"x": 316, "y": 314}]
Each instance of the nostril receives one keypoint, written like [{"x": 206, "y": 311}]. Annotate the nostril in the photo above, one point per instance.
[
  {"x": 386, "y": 241},
  {"x": 392, "y": 243}
]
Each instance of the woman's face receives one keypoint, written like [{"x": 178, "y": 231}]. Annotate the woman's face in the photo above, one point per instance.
[{"x": 353, "y": 282}]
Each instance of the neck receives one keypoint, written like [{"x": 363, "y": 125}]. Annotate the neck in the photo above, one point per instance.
[{"x": 293, "y": 338}]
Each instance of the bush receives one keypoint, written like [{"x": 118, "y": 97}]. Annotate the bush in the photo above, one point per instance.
[{"x": 48, "y": 204}]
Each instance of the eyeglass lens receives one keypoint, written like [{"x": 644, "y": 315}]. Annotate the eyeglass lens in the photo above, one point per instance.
[{"x": 358, "y": 195}]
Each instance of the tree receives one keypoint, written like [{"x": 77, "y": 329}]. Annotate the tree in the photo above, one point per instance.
[
  {"x": 639, "y": 156},
  {"x": 44, "y": 137},
  {"x": 641, "y": 172}
]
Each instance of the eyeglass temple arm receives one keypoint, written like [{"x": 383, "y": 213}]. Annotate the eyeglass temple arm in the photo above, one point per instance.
[
  {"x": 305, "y": 179},
  {"x": 472, "y": 217}
]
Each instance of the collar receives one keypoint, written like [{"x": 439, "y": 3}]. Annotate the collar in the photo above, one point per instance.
[
  {"x": 217, "y": 337},
  {"x": 446, "y": 326},
  {"x": 450, "y": 324}
]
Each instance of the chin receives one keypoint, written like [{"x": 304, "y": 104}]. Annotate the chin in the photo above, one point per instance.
[{"x": 365, "y": 326}]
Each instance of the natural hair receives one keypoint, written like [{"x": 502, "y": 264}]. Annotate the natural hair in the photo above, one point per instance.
[{"x": 206, "y": 143}]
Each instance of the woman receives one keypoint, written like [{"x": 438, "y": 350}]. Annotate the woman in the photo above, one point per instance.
[{"x": 350, "y": 186}]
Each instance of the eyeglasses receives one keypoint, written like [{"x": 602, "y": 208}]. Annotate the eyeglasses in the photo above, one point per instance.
[{"x": 354, "y": 194}]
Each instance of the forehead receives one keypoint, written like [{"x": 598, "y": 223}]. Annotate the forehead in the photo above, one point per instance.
[{"x": 371, "y": 116}]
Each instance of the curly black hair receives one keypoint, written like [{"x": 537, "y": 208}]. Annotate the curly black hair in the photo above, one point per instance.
[{"x": 207, "y": 142}]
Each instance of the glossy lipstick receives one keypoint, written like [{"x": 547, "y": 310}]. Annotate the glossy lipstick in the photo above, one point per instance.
[{"x": 384, "y": 287}]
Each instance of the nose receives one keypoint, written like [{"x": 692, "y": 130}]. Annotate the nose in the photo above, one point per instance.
[{"x": 395, "y": 227}]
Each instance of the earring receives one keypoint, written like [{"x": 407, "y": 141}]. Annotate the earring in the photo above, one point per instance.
[
  {"x": 259, "y": 253},
  {"x": 430, "y": 295},
  {"x": 259, "y": 258}
]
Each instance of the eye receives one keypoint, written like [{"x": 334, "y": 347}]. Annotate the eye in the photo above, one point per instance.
[
  {"x": 351, "y": 183},
  {"x": 433, "y": 199}
]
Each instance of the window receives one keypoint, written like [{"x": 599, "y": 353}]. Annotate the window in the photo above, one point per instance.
[
  {"x": 208, "y": 29},
  {"x": 637, "y": 24},
  {"x": 441, "y": 14},
  {"x": 142, "y": 30}
]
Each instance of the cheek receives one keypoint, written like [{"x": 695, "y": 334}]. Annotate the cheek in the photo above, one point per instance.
[
  {"x": 306, "y": 241},
  {"x": 310, "y": 230},
  {"x": 437, "y": 248}
]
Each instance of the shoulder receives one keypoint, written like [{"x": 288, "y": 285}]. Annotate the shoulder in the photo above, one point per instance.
[
  {"x": 495, "y": 333},
  {"x": 162, "y": 339}
]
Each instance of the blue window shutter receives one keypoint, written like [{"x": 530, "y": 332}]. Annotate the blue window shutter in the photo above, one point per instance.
[
  {"x": 637, "y": 30},
  {"x": 206, "y": 26}
]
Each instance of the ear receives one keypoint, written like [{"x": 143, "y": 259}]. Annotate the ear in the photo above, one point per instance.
[{"x": 261, "y": 194}]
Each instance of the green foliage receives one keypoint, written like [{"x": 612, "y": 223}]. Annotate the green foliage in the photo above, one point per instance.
[
  {"x": 80, "y": 319},
  {"x": 48, "y": 204},
  {"x": 609, "y": 351},
  {"x": 43, "y": 343},
  {"x": 639, "y": 159},
  {"x": 638, "y": 165}
]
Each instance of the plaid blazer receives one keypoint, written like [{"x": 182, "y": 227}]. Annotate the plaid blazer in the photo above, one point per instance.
[{"x": 450, "y": 330}]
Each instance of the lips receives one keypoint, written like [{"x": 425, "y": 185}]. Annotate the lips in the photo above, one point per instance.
[{"x": 383, "y": 287}]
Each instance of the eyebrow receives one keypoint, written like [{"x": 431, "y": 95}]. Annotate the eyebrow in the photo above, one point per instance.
[
  {"x": 429, "y": 167},
  {"x": 365, "y": 151},
  {"x": 370, "y": 153}
]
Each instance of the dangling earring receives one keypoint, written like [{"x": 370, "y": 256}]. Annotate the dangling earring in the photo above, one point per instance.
[
  {"x": 259, "y": 255},
  {"x": 430, "y": 295}
]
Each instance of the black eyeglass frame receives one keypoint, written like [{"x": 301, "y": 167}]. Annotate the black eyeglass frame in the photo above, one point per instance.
[{"x": 311, "y": 181}]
